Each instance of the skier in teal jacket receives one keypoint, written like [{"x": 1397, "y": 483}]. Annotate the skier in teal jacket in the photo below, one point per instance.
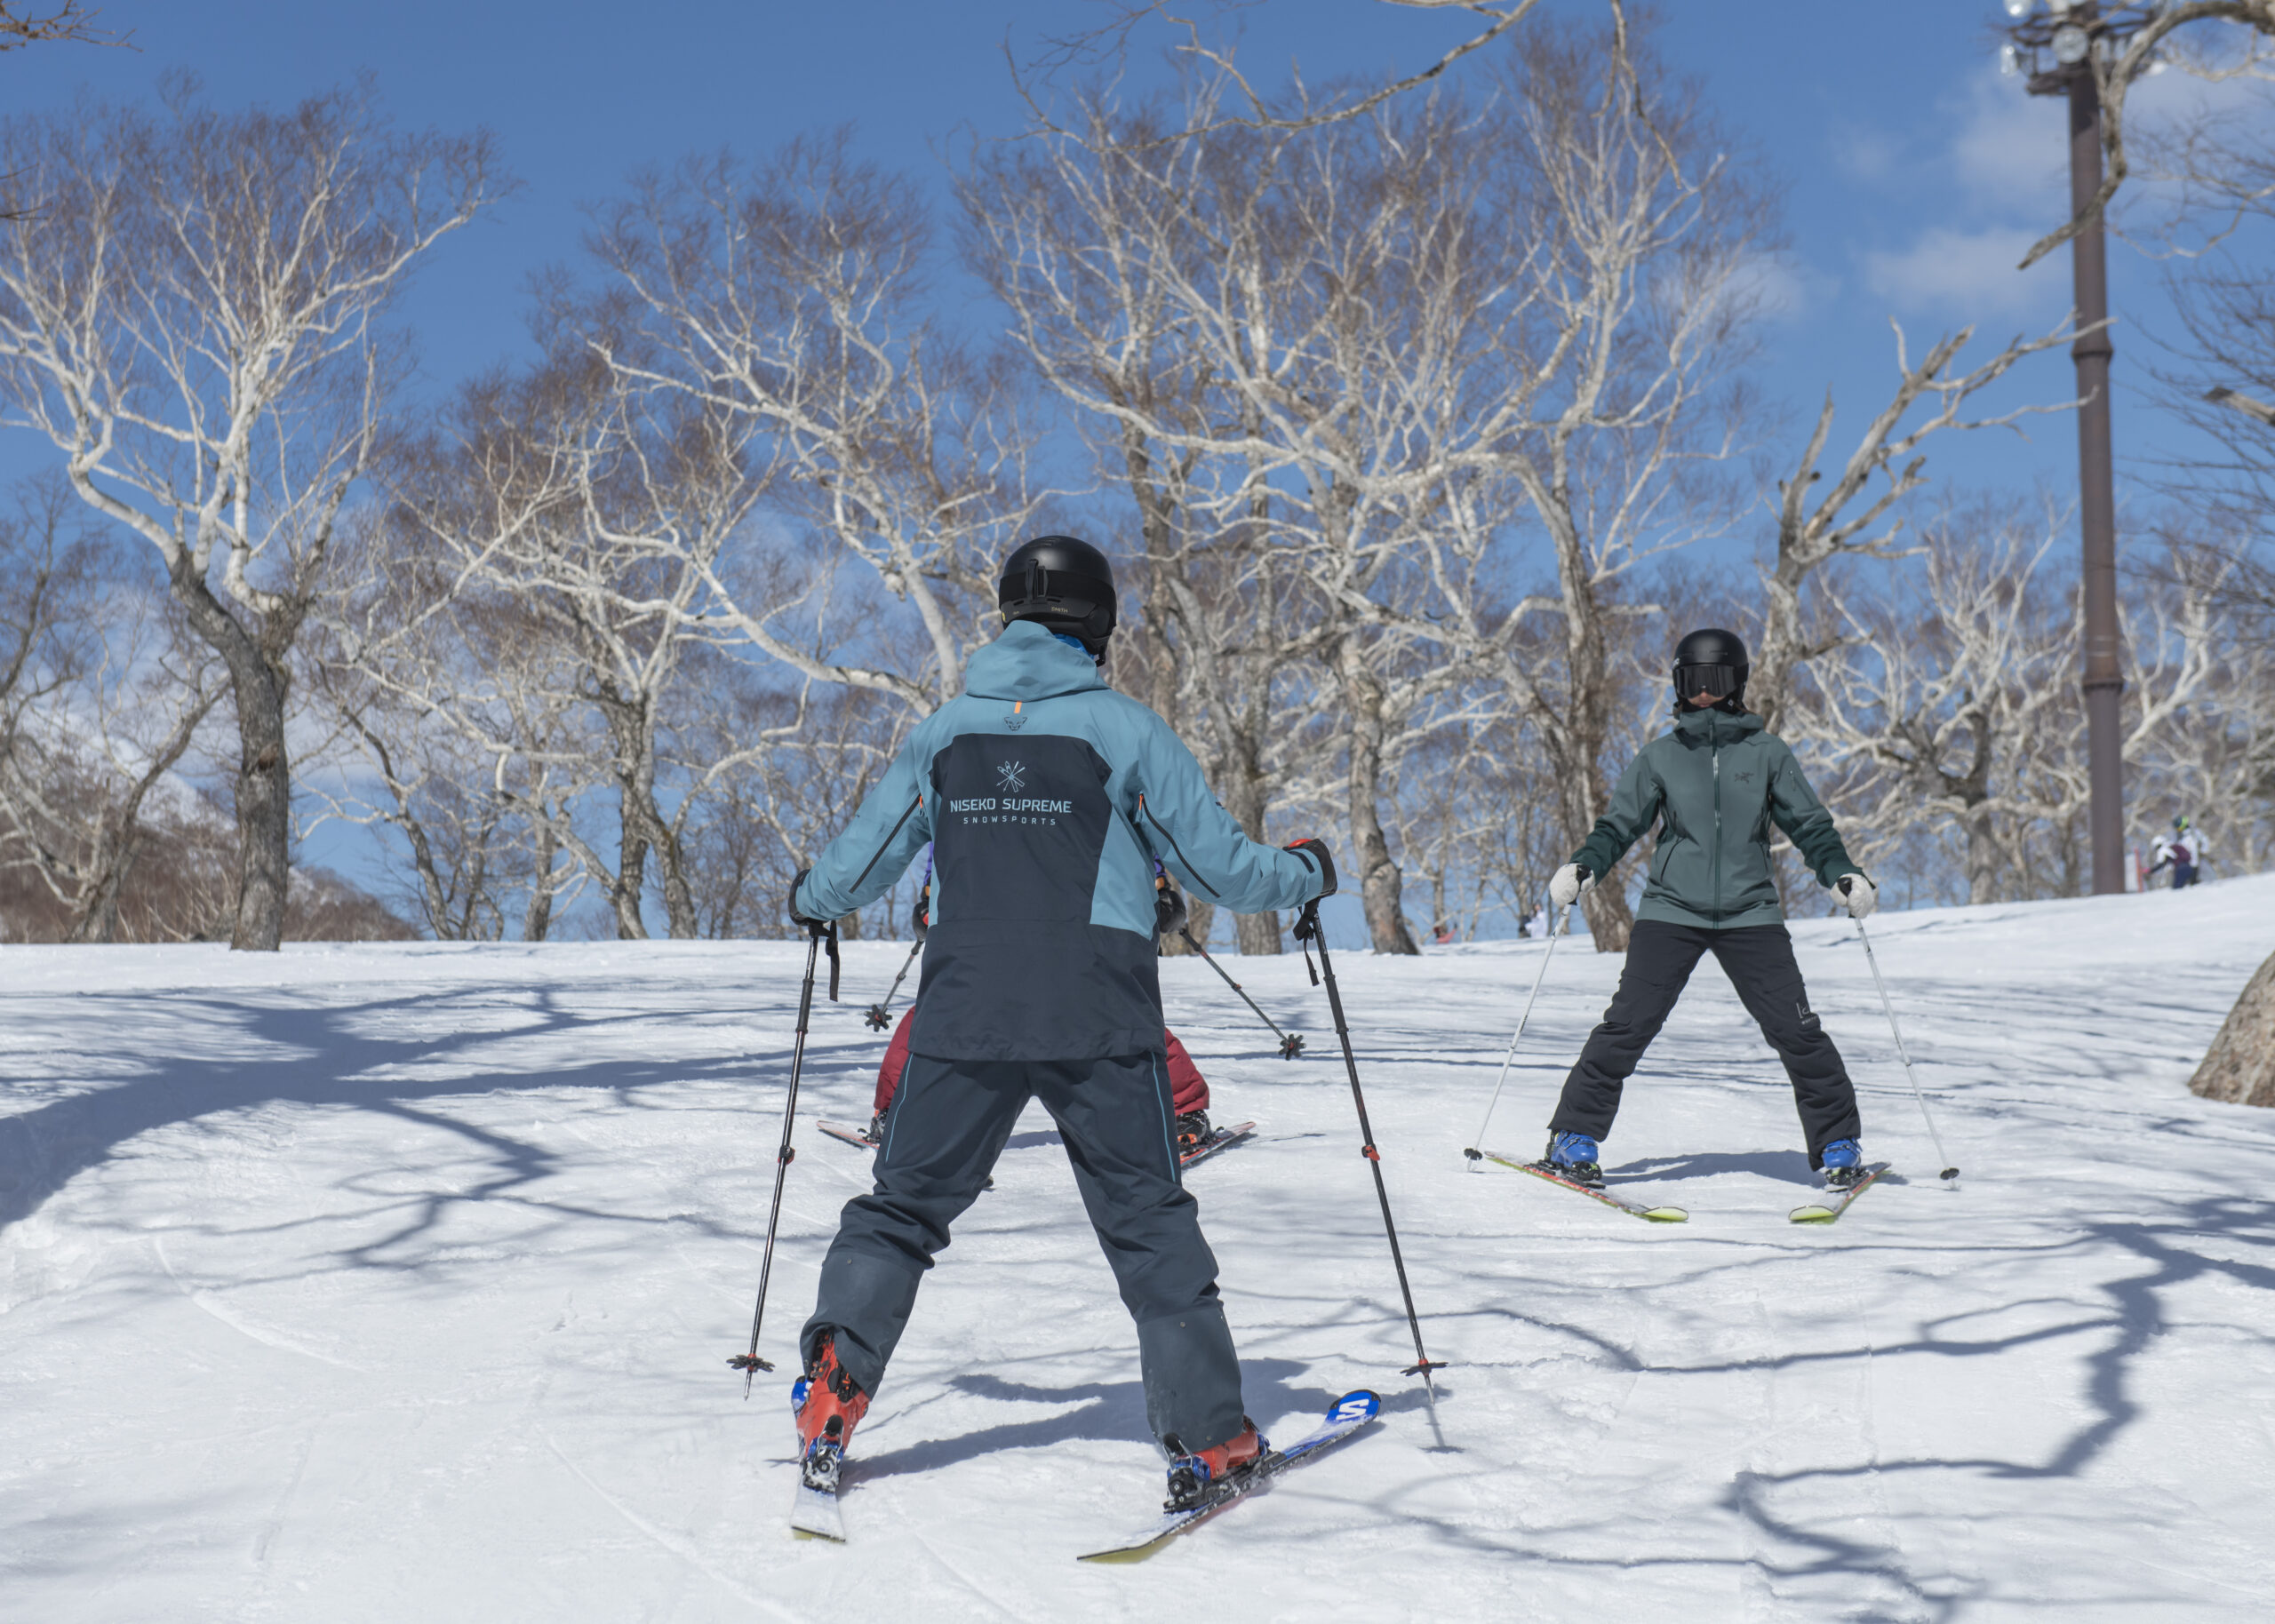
[
  {"x": 1715, "y": 785},
  {"x": 1047, "y": 799}
]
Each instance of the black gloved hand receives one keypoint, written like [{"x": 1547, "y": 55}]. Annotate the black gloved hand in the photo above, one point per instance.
[
  {"x": 1171, "y": 914},
  {"x": 795, "y": 917},
  {"x": 1315, "y": 848}
]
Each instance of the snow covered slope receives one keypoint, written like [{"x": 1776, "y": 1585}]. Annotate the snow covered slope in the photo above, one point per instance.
[{"x": 398, "y": 1283}]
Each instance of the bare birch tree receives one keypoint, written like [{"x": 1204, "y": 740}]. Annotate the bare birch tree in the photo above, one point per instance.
[
  {"x": 194, "y": 325},
  {"x": 1926, "y": 706},
  {"x": 102, "y": 694},
  {"x": 1860, "y": 514},
  {"x": 793, "y": 298}
]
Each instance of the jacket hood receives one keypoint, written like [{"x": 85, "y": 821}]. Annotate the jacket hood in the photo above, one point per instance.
[
  {"x": 1700, "y": 726},
  {"x": 1026, "y": 662}
]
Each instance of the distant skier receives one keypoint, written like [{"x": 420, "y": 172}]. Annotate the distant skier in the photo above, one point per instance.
[
  {"x": 1715, "y": 784},
  {"x": 2183, "y": 851},
  {"x": 1189, "y": 1089},
  {"x": 1047, "y": 797}
]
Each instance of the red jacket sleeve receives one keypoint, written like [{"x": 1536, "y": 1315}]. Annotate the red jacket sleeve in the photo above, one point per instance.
[
  {"x": 896, "y": 1060},
  {"x": 1191, "y": 1089}
]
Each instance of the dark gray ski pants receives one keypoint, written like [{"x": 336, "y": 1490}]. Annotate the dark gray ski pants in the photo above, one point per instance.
[
  {"x": 946, "y": 1127},
  {"x": 1758, "y": 959}
]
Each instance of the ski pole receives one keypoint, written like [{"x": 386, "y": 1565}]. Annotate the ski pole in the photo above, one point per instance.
[
  {"x": 749, "y": 1362},
  {"x": 1934, "y": 1138},
  {"x": 1307, "y": 930},
  {"x": 1473, "y": 1152},
  {"x": 879, "y": 1015},
  {"x": 1292, "y": 1044}
]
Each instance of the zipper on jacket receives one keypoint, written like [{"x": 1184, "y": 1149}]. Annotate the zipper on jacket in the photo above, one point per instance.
[
  {"x": 886, "y": 844},
  {"x": 1174, "y": 846},
  {"x": 1714, "y": 752}
]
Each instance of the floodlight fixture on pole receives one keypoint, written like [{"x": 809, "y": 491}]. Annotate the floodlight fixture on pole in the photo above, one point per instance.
[{"x": 2069, "y": 32}]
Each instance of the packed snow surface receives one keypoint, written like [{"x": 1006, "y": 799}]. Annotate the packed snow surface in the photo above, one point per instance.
[{"x": 399, "y": 1283}]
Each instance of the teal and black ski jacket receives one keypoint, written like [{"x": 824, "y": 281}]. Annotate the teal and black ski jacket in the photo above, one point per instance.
[
  {"x": 1048, "y": 798},
  {"x": 1716, "y": 784}
]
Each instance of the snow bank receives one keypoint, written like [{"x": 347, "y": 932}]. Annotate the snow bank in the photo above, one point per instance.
[{"x": 398, "y": 1282}]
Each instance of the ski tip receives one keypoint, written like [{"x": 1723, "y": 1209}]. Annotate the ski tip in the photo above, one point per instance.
[
  {"x": 1362, "y": 1404},
  {"x": 1667, "y": 1215}
]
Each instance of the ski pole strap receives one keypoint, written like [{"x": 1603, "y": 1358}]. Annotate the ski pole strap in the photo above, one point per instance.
[
  {"x": 828, "y": 934},
  {"x": 1306, "y": 927}
]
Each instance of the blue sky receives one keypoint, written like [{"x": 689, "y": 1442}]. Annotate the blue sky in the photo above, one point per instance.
[{"x": 1912, "y": 174}]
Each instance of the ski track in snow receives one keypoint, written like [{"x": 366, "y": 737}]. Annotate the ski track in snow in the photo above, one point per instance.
[{"x": 398, "y": 1282}]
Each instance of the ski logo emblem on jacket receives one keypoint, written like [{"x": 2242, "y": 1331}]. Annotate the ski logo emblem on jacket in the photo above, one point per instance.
[
  {"x": 1014, "y": 721},
  {"x": 1007, "y": 778}
]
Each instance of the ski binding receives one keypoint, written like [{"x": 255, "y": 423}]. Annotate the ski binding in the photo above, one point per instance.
[
  {"x": 1344, "y": 1417},
  {"x": 1219, "y": 1139},
  {"x": 815, "y": 1513}
]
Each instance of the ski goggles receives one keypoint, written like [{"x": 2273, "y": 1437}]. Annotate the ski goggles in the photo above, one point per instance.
[{"x": 1696, "y": 681}]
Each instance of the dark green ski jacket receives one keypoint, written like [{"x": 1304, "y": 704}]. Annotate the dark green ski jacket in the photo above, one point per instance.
[{"x": 1715, "y": 784}]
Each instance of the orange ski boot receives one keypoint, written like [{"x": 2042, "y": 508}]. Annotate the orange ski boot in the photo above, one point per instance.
[
  {"x": 829, "y": 1405},
  {"x": 1196, "y": 1479}
]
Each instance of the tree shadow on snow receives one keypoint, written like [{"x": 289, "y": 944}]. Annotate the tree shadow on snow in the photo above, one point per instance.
[
  {"x": 257, "y": 1050},
  {"x": 1105, "y": 1412},
  {"x": 1802, "y": 1540}
]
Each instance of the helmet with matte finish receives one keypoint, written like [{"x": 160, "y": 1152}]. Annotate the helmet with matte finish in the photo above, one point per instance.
[
  {"x": 1712, "y": 661},
  {"x": 1062, "y": 583}
]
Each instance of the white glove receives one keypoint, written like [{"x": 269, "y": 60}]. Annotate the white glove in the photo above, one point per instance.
[
  {"x": 1859, "y": 893},
  {"x": 1571, "y": 882}
]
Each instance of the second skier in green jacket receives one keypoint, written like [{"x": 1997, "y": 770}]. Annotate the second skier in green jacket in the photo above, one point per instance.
[{"x": 1716, "y": 784}]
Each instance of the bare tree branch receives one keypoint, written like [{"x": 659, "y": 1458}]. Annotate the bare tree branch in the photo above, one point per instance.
[
  {"x": 2113, "y": 78},
  {"x": 1110, "y": 40},
  {"x": 72, "y": 21}
]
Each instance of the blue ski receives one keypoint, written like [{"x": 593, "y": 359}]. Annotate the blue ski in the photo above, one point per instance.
[{"x": 1344, "y": 1417}]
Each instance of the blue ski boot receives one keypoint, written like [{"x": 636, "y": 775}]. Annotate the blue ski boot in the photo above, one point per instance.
[
  {"x": 1843, "y": 1162},
  {"x": 1573, "y": 1157}
]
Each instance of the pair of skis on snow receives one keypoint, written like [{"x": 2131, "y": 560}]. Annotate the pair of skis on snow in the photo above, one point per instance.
[
  {"x": 1219, "y": 1139},
  {"x": 1826, "y": 1210},
  {"x": 817, "y": 1513}
]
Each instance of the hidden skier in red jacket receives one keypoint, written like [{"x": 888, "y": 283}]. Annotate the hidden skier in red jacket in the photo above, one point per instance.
[{"x": 1190, "y": 1098}]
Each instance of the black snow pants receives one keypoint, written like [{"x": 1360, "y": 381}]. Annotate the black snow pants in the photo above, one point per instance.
[
  {"x": 946, "y": 1125},
  {"x": 1758, "y": 959}
]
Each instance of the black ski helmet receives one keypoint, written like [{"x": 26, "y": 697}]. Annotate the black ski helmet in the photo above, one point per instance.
[
  {"x": 1062, "y": 584},
  {"x": 1712, "y": 661}
]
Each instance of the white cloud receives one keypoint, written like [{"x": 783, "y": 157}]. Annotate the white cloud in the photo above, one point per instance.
[
  {"x": 1969, "y": 275},
  {"x": 1863, "y": 153},
  {"x": 1782, "y": 287},
  {"x": 2011, "y": 148}
]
